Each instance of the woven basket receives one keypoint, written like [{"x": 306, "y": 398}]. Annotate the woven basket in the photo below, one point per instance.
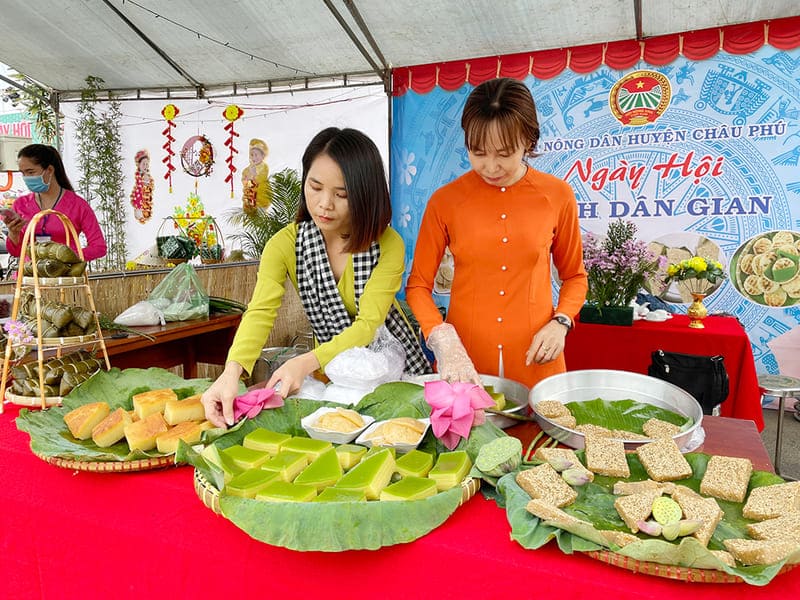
[
  {"x": 114, "y": 466},
  {"x": 210, "y": 495},
  {"x": 688, "y": 574},
  {"x": 32, "y": 401}
]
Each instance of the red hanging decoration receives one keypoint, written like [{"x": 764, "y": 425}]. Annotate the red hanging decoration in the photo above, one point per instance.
[
  {"x": 169, "y": 112},
  {"x": 231, "y": 113}
]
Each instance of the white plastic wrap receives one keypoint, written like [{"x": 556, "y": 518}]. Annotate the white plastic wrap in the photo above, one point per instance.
[
  {"x": 366, "y": 368},
  {"x": 141, "y": 313}
]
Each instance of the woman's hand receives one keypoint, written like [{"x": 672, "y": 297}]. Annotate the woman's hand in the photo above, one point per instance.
[
  {"x": 288, "y": 378},
  {"x": 218, "y": 399},
  {"x": 547, "y": 344},
  {"x": 452, "y": 361},
  {"x": 15, "y": 224}
]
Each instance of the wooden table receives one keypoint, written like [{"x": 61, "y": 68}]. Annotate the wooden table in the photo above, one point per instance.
[
  {"x": 592, "y": 346},
  {"x": 67, "y": 534},
  {"x": 184, "y": 343}
]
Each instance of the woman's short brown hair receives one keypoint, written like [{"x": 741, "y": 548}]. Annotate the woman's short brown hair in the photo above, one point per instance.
[
  {"x": 508, "y": 103},
  {"x": 364, "y": 179}
]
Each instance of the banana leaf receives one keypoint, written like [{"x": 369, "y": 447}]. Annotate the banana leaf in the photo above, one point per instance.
[
  {"x": 595, "y": 504},
  {"x": 323, "y": 526},
  {"x": 51, "y": 438},
  {"x": 628, "y": 415}
]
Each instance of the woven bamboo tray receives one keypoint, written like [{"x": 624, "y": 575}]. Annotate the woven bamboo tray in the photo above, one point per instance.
[
  {"x": 687, "y": 574},
  {"x": 54, "y": 281},
  {"x": 32, "y": 401},
  {"x": 113, "y": 466},
  {"x": 210, "y": 495}
]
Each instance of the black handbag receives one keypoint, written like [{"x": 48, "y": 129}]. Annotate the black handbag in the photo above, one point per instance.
[{"x": 704, "y": 377}]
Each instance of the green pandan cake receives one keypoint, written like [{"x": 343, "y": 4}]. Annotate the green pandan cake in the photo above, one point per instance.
[
  {"x": 265, "y": 440},
  {"x": 245, "y": 458},
  {"x": 213, "y": 455},
  {"x": 323, "y": 472},
  {"x": 287, "y": 464},
  {"x": 349, "y": 455},
  {"x": 371, "y": 475},
  {"x": 333, "y": 494},
  {"x": 415, "y": 463},
  {"x": 249, "y": 483},
  {"x": 409, "y": 488},
  {"x": 283, "y": 491},
  {"x": 311, "y": 448},
  {"x": 450, "y": 470}
]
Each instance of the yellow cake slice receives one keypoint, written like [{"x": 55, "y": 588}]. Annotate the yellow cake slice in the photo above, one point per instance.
[
  {"x": 141, "y": 435},
  {"x": 188, "y": 409},
  {"x": 188, "y": 431},
  {"x": 154, "y": 401},
  {"x": 82, "y": 420},
  {"x": 111, "y": 429}
]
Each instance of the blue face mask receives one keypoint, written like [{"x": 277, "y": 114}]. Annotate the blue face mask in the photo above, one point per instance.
[{"x": 35, "y": 183}]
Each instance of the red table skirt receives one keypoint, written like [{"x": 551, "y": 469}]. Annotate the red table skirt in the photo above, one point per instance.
[
  {"x": 66, "y": 534},
  {"x": 592, "y": 346}
]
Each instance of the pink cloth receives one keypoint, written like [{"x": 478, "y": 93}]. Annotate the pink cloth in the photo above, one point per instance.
[
  {"x": 80, "y": 215},
  {"x": 253, "y": 402},
  {"x": 455, "y": 408}
]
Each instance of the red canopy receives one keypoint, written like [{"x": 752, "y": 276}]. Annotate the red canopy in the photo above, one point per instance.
[{"x": 783, "y": 34}]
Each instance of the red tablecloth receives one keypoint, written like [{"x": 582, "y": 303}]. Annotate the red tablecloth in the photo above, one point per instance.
[
  {"x": 591, "y": 346},
  {"x": 66, "y": 534}
]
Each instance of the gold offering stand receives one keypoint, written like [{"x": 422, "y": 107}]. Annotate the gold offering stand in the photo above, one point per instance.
[{"x": 38, "y": 284}]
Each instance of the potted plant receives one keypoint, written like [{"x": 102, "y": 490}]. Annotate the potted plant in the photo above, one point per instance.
[
  {"x": 255, "y": 226},
  {"x": 617, "y": 267}
]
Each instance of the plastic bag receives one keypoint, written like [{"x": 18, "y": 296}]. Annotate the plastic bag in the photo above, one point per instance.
[
  {"x": 141, "y": 313},
  {"x": 367, "y": 368},
  {"x": 181, "y": 295}
]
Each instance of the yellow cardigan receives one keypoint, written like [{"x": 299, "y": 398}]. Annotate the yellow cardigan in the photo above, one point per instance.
[{"x": 278, "y": 261}]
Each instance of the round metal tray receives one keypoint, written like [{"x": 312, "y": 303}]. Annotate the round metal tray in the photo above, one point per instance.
[
  {"x": 516, "y": 396},
  {"x": 579, "y": 386}
]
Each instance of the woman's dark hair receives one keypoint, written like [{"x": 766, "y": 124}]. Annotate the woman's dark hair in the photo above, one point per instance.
[
  {"x": 44, "y": 156},
  {"x": 508, "y": 103},
  {"x": 364, "y": 180}
]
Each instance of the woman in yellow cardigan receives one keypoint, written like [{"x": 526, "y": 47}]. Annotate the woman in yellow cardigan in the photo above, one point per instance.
[
  {"x": 344, "y": 260},
  {"x": 503, "y": 222}
]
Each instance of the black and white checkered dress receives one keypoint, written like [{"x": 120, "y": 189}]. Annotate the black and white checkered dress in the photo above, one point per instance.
[{"x": 324, "y": 306}]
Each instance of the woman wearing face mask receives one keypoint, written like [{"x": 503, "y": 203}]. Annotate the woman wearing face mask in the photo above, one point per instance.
[
  {"x": 345, "y": 262},
  {"x": 504, "y": 223},
  {"x": 43, "y": 173}
]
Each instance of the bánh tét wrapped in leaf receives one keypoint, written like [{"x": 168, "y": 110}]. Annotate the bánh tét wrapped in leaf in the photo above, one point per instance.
[
  {"x": 18, "y": 387},
  {"x": 72, "y": 329},
  {"x": 46, "y": 267},
  {"x": 82, "y": 317},
  {"x": 90, "y": 365},
  {"x": 58, "y": 314},
  {"x": 71, "y": 380},
  {"x": 64, "y": 254},
  {"x": 25, "y": 371},
  {"x": 49, "y": 390},
  {"x": 76, "y": 270}
]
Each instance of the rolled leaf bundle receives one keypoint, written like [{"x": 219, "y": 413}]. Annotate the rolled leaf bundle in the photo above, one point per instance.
[
  {"x": 46, "y": 267},
  {"x": 25, "y": 370},
  {"x": 52, "y": 373},
  {"x": 50, "y": 391},
  {"x": 90, "y": 328},
  {"x": 76, "y": 270},
  {"x": 18, "y": 387},
  {"x": 58, "y": 314},
  {"x": 90, "y": 365},
  {"x": 71, "y": 380},
  {"x": 27, "y": 304},
  {"x": 71, "y": 330},
  {"x": 63, "y": 253},
  {"x": 82, "y": 317}
]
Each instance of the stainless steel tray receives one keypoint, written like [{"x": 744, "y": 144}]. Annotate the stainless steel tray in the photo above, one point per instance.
[
  {"x": 580, "y": 386},
  {"x": 516, "y": 396}
]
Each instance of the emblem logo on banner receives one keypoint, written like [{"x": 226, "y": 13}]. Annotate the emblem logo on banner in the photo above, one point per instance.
[{"x": 640, "y": 98}]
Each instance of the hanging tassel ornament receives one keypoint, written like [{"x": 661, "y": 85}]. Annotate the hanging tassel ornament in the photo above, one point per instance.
[
  {"x": 169, "y": 112},
  {"x": 231, "y": 113}
]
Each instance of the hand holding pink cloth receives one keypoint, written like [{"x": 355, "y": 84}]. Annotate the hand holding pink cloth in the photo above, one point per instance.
[
  {"x": 253, "y": 402},
  {"x": 455, "y": 409}
]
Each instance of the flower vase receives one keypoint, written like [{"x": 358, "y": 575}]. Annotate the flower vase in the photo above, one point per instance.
[{"x": 697, "y": 311}]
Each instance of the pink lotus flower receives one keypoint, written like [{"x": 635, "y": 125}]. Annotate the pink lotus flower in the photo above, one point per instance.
[
  {"x": 253, "y": 402},
  {"x": 455, "y": 408}
]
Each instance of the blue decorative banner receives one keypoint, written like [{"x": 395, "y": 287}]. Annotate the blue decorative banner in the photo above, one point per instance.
[{"x": 701, "y": 156}]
